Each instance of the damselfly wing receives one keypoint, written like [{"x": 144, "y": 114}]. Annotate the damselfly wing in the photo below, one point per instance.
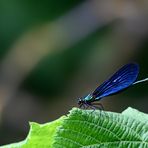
[{"x": 121, "y": 80}]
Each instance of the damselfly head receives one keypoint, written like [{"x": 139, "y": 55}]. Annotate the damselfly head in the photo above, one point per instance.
[{"x": 80, "y": 101}]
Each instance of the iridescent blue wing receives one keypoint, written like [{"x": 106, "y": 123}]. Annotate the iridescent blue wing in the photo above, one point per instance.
[{"x": 122, "y": 79}]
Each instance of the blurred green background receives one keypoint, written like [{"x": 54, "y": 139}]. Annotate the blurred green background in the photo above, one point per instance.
[{"x": 53, "y": 52}]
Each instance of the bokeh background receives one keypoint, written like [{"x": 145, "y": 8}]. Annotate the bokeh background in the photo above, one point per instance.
[{"x": 53, "y": 52}]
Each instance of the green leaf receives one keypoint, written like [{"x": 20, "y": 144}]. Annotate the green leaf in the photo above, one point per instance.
[
  {"x": 90, "y": 129},
  {"x": 135, "y": 114},
  {"x": 102, "y": 129},
  {"x": 40, "y": 135}
]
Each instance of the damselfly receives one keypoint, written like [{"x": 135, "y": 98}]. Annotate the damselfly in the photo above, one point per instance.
[{"x": 122, "y": 79}]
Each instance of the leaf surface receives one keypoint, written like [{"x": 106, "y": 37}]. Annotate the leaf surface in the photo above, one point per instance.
[{"x": 90, "y": 129}]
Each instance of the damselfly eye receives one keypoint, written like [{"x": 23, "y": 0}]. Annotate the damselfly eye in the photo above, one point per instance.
[{"x": 79, "y": 101}]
